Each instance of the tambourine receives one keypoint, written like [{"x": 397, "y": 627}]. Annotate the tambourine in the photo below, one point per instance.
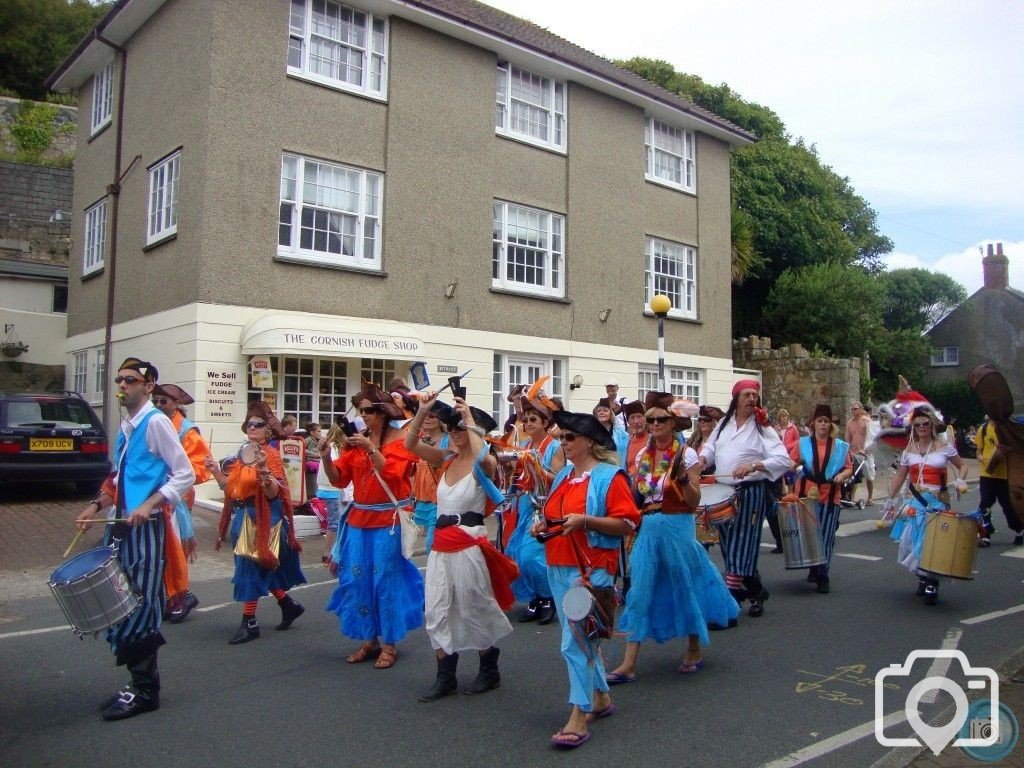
[{"x": 248, "y": 454}]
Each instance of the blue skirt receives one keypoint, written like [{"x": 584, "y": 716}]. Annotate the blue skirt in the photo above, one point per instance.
[
  {"x": 529, "y": 556},
  {"x": 675, "y": 589},
  {"x": 253, "y": 582},
  {"x": 379, "y": 592}
]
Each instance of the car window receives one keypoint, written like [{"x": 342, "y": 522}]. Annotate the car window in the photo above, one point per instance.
[{"x": 62, "y": 414}]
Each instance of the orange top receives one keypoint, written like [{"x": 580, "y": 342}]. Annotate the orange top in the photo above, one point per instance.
[
  {"x": 195, "y": 448},
  {"x": 354, "y": 466},
  {"x": 243, "y": 481},
  {"x": 827, "y": 492},
  {"x": 571, "y": 497}
]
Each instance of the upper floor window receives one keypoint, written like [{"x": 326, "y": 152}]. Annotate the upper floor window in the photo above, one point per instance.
[
  {"x": 529, "y": 107},
  {"x": 670, "y": 155},
  {"x": 163, "y": 198},
  {"x": 60, "y": 298},
  {"x": 339, "y": 46},
  {"x": 529, "y": 250},
  {"x": 944, "y": 356},
  {"x": 95, "y": 237},
  {"x": 102, "y": 97},
  {"x": 330, "y": 213},
  {"x": 671, "y": 270},
  {"x": 79, "y": 371}
]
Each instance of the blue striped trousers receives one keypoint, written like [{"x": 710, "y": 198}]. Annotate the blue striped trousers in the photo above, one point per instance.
[
  {"x": 141, "y": 553},
  {"x": 741, "y": 536}
]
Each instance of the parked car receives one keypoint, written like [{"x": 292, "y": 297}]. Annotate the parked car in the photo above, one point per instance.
[{"x": 47, "y": 438}]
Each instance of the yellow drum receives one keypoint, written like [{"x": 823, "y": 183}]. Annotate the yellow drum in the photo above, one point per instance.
[
  {"x": 706, "y": 533},
  {"x": 950, "y": 544}
]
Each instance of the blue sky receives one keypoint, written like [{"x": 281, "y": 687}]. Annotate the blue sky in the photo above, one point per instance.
[{"x": 919, "y": 102}]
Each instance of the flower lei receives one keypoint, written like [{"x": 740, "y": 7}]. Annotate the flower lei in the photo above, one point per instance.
[{"x": 647, "y": 479}]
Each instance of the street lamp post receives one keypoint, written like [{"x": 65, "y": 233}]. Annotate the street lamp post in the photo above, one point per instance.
[{"x": 660, "y": 305}]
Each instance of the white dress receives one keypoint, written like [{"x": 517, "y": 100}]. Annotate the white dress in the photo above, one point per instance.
[{"x": 461, "y": 612}]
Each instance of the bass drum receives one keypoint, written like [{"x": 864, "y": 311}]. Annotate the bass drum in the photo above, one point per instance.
[
  {"x": 801, "y": 536},
  {"x": 950, "y": 546}
]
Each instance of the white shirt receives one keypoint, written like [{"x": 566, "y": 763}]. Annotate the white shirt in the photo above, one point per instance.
[
  {"x": 658, "y": 491},
  {"x": 733, "y": 446},
  {"x": 162, "y": 440}
]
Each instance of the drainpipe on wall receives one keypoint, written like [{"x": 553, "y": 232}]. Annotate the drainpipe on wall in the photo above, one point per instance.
[{"x": 114, "y": 190}]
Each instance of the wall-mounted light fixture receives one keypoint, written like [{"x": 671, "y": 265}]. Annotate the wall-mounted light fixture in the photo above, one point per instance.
[
  {"x": 604, "y": 314},
  {"x": 59, "y": 215},
  {"x": 449, "y": 290},
  {"x": 577, "y": 382}
]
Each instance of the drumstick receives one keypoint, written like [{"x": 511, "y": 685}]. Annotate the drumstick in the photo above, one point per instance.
[
  {"x": 101, "y": 520},
  {"x": 73, "y": 542}
]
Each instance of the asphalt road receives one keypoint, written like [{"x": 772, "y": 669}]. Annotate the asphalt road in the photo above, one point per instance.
[{"x": 794, "y": 687}]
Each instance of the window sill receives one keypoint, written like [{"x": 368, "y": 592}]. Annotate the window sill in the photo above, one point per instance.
[
  {"x": 288, "y": 259},
  {"x": 324, "y": 83},
  {"x": 92, "y": 275},
  {"x": 525, "y": 295},
  {"x": 945, "y": 365},
  {"x": 99, "y": 130},
  {"x": 676, "y": 318},
  {"x": 160, "y": 241},
  {"x": 518, "y": 139},
  {"x": 691, "y": 191}
]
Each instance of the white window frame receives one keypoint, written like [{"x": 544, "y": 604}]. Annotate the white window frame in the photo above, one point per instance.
[
  {"x": 946, "y": 357},
  {"x": 305, "y": 37},
  {"x": 95, "y": 238},
  {"x": 530, "y": 368},
  {"x": 101, "y": 369},
  {"x": 544, "y": 224},
  {"x": 680, "y": 288},
  {"x": 318, "y": 195},
  {"x": 513, "y": 108},
  {"x": 162, "y": 210},
  {"x": 102, "y": 99},
  {"x": 670, "y": 151},
  {"x": 682, "y": 382},
  {"x": 80, "y": 371}
]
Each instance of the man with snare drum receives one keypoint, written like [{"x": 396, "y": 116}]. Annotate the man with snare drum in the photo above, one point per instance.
[
  {"x": 749, "y": 455},
  {"x": 153, "y": 471}
]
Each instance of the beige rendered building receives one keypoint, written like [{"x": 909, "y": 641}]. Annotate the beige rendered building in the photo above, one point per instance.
[{"x": 349, "y": 189}]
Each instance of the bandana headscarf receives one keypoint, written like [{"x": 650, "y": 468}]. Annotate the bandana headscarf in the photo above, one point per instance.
[{"x": 147, "y": 370}]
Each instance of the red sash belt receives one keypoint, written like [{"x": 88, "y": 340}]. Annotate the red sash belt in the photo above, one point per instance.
[{"x": 501, "y": 568}]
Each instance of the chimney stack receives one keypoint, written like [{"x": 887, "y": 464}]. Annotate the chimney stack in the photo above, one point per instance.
[{"x": 996, "y": 268}]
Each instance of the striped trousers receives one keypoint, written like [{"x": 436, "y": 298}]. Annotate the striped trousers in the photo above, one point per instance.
[
  {"x": 140, "y": 551},
  {"x": 828, "y": 521},
  {"x": 741, "y": 536}
]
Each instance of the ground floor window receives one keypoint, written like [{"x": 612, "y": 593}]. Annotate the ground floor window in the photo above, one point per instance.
[
  {"x": 308, "y": 388},
  {"x": 682, "y": 382},
  {"x": 512, "y": 369},
  {"x": 380, "y": 372}
]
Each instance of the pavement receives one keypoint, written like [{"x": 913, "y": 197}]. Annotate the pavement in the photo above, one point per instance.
[{"x": 36, "y": 527}]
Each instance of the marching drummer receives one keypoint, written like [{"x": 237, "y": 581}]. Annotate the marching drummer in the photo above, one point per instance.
[
  {"x": 153, "y": 471},
  {"x": 826, "y": 466},
  {"x": 924, "y": 463},
  {"x": 748, "y": 454}
]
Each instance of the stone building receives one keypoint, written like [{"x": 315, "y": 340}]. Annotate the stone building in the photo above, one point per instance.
[
  {"x": 339, "y": 191},
  {"x": 986, "y": 328}
]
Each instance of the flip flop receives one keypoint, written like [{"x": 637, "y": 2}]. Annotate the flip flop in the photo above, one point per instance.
[
  {"x": 363, "y": 653},
  {"x": 690, "y": 669},
  {"x": 569, "y": 739},
  {"x": 617, "y": 678},
  {"x": 598, "y": 715}
]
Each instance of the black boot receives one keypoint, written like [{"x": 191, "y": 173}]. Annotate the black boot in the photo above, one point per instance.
[
  {"x": 445, "y": 681},
  {"x": 142, "y": 696},
  {"x": 546, "y": 613},
  {"x": 931, "y": 592},
  {"x": 488, "y": 678},
  {"x": 248, "y": 630},
  {"x": 812, "y": 574},
  {"x": 530, "y": 613},
  {"x": 290, "y": 611},
  {"x": 922, "y": 583}
]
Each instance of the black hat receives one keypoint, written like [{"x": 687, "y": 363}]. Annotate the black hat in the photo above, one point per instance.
[
  {"x": 451, "y": 418},
  {"x": 585, "y": 424},
  {"x": 636, "y": 406},
  {"x": 822, "y": 409},
  {"x": 379, "y": 398},
  {"x": 148, "y": 370}
]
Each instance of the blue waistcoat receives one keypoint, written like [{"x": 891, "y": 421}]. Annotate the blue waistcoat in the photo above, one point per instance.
[
  {"x": 601, "y": 477},
  {"x": 140, "y": 473},
  {"x": 835, "y": 462}
]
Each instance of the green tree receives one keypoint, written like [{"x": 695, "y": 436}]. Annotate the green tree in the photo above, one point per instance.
[
  {"x": 917, "y": 298},
  {"x": 37, "y": 35}
]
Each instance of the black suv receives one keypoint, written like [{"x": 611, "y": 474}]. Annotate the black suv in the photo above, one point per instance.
[{"x": 50, "y": 438}]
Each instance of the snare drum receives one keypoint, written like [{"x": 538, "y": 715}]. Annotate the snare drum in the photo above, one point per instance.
[
  {"x": 802, "y": 545},
  {"x": 706, "y": 533},
  {"x": 577, "y": 603},
  {"x": 717, "y": 503},
  {"x": 950, "y": 544},
  {"x": 93, "y": 591}
]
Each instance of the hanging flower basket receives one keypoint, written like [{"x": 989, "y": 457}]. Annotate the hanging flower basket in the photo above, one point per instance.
[{"x": 13, "y": 348}]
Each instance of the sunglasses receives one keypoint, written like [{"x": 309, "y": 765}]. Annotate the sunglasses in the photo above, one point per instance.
[
  {"x": 127, "y": 380},
  {"x": 369, "y": 410},
  {"x": 160, "y": 401},
  {"x": 568, "y": 437},
  {"x": 255, "y": 424},
  {"x": 528, "y": 419},
  {"x": 460, "y": 427},
  {"x": 704, "y": 418},
  {"x": 659, "y": 419},
  {"x": 920, "y": 424}
]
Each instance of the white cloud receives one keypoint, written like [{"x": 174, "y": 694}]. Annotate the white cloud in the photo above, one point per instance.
[{"x": 963, "y": 266}]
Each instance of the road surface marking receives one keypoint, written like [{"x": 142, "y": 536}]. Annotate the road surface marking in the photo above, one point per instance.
[
  {"x": 831, "y": 744},
  {"x": 940, "y": 666},
  {"x": 857, "y": 557},
  {"x": 1015, "y": 552},
  {"x": 993, "y": 615},
  {"x": 852, "y": 529}
]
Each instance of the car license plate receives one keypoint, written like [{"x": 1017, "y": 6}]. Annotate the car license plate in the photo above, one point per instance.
[{"x": 51, "y": 444}]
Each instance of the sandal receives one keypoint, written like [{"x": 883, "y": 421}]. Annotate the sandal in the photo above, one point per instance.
[
  {"x": 386, "y": 658},
  {"x": 688, "y": 668},
  {"x": 366, "y": 652}
]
